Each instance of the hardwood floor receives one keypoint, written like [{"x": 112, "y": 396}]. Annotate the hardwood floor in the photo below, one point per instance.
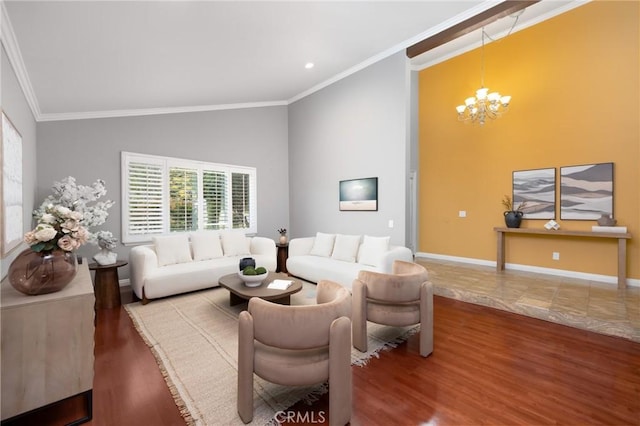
[
  {"x": 488, "y": 367},
  {"x": 495, "y": 367}
]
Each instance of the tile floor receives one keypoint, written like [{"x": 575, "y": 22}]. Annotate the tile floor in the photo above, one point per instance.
[{"x": 589, "y": 305}]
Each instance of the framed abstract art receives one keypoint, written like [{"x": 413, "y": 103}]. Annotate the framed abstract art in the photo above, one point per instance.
[
  {"x": 586, "y": 192},
  {"x": 537, "y": 189}
]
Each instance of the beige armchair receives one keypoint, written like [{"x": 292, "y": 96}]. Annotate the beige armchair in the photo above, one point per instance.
[
  {"x": 298, "y": 345},
  {"x": 402, "y": 298}
]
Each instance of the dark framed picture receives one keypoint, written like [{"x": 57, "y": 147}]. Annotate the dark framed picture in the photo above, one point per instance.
[
  {"x": 586, "y": 192},
  {"x": 537, "y": 190},
  {"x": 359, "y": 194}
]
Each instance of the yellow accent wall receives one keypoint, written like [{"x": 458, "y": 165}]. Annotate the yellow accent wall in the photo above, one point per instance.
[{"x": 575, "y": 83}]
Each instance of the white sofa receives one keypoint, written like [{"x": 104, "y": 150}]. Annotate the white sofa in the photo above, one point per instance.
[
  {"x": 339, "y": 257},
  {"x": 182, "y": 263}
]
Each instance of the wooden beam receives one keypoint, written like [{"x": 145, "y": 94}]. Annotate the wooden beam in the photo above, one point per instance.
[{"x": 488, "y": 16}]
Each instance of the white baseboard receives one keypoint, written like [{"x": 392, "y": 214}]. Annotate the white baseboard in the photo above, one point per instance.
[{"x": 610, "y": 279}]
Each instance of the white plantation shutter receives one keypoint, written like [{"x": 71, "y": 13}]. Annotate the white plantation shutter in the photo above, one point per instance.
[
  {"x": 214, "y": 189},
  {"x": 183, "y": 199},
  {"x": 144, "y": 207},
  {"x": 241, "y": 200},
  {"x": 163, "y": 195}
]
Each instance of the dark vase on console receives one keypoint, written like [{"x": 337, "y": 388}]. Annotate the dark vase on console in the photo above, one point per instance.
[
  {"x": 247, "y": 261},
  {"x": 513, "y": 218},
  {"x": 34, "y": 273}
]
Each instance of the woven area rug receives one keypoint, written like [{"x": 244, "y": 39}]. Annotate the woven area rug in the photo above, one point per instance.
[{"x": 194, "y": 338}]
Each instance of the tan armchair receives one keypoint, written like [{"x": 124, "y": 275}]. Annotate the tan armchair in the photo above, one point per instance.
[
  {"x": 298, "y": 345},
  {"x": 404, "y": 297}
]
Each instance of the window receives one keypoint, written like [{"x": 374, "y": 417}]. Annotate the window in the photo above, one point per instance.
[{"x": 161, "y": 195}]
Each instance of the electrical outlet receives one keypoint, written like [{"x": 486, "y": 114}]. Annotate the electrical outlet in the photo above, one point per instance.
[
  {"x": 390, "y": 223},
  {"x": 462, "y": 213},
  {"x": 555, "y": 255}
]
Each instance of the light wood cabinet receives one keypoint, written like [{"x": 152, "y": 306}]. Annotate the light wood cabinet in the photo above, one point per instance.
[{"x": 47, "y": 345}]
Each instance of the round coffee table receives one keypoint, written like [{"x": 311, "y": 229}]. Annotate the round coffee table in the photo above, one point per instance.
[{"x": 240, "y": 293}]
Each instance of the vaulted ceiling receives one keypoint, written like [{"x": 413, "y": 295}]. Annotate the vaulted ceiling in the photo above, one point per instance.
[{"x": 81, "y": 59}]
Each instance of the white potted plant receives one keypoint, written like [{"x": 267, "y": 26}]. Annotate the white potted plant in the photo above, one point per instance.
[{"x": 283, "y": 235}]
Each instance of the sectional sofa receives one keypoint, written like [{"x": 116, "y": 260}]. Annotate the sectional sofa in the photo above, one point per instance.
[{"x": 339, "y": 257}]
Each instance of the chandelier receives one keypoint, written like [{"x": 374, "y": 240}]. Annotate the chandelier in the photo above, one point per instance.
[{"x": 483, "y": 105}]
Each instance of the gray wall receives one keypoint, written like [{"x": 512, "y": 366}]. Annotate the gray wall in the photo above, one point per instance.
[
  {"x": 90, "y": 149},
  {"x": 355, "y": 128},
  {"x": 15, "y": 106}
]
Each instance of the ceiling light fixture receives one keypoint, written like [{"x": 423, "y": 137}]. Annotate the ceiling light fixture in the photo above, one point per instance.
[
  {"x": 477, "y": 109},
  {"x": 484, "y": 104},
  {"x": 308, "y": 65}
]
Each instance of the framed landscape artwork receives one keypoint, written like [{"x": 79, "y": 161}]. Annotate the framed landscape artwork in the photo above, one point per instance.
[
  {"x": 586, "y": 192},
  {"x": 10, "y": 187},
  {"x": 537, "y": 189},
  {"x": 359, "y": 194}
]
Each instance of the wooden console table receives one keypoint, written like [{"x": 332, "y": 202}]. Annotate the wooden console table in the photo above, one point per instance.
[{"x": 621, "y": 237}]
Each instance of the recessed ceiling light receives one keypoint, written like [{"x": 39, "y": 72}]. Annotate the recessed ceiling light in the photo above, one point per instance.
[{"x": 309, "y": 65}]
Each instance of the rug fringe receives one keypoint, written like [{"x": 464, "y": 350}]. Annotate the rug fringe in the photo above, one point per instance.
[
  {"x": 315, "y": 394},
  {"x": 387, "y": 346},
  {"x": 177, "y": 399}
]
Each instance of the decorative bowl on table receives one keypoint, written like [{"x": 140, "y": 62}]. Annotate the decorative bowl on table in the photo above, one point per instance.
[{"x": 253, "y": 280}]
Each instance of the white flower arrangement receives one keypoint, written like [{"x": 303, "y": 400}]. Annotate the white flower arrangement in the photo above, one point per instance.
[{"x": 65, "y": 217}]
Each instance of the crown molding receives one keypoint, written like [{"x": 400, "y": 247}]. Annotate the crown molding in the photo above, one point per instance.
[
  {"x": 395, "y": 49},
  {"x": 10, "y": 44},
  {"x": 154, "y": 111}
]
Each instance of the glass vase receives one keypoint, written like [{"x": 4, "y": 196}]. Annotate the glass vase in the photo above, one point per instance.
[{"x": 35, "y": 273}]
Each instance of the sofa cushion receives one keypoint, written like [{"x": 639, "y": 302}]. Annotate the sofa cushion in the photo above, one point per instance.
[
  {"x": 172, "y": 249},
  {"x": 323, "y": 245},
  {"x": 345, "y": 247},
  {"x": 317, "y": 268},
  {"x": 180, "y": 278},
  {"x": 372, "y": 249},
  {"x": 206, "y": 245},
  {"x": 235, "y": 243}
]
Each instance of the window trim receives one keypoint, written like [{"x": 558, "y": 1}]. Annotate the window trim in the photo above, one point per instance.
[{"x": 170, "y": 162}]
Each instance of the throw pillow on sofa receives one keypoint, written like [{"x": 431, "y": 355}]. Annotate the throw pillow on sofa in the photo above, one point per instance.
[
  {"x": 372, "y": 249},
  {"x": 172, "y": 249},
  {"x": 323, "y": 245},
  {"x": 206, "y": 245},
  {"x": 235, "y": 243},
  {"x": 346, "y": 248}
]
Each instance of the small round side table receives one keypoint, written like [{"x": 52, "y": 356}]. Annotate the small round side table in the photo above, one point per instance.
[
  {"x": 283, "y": 255},
  {"x": 107, "y": 286}
]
